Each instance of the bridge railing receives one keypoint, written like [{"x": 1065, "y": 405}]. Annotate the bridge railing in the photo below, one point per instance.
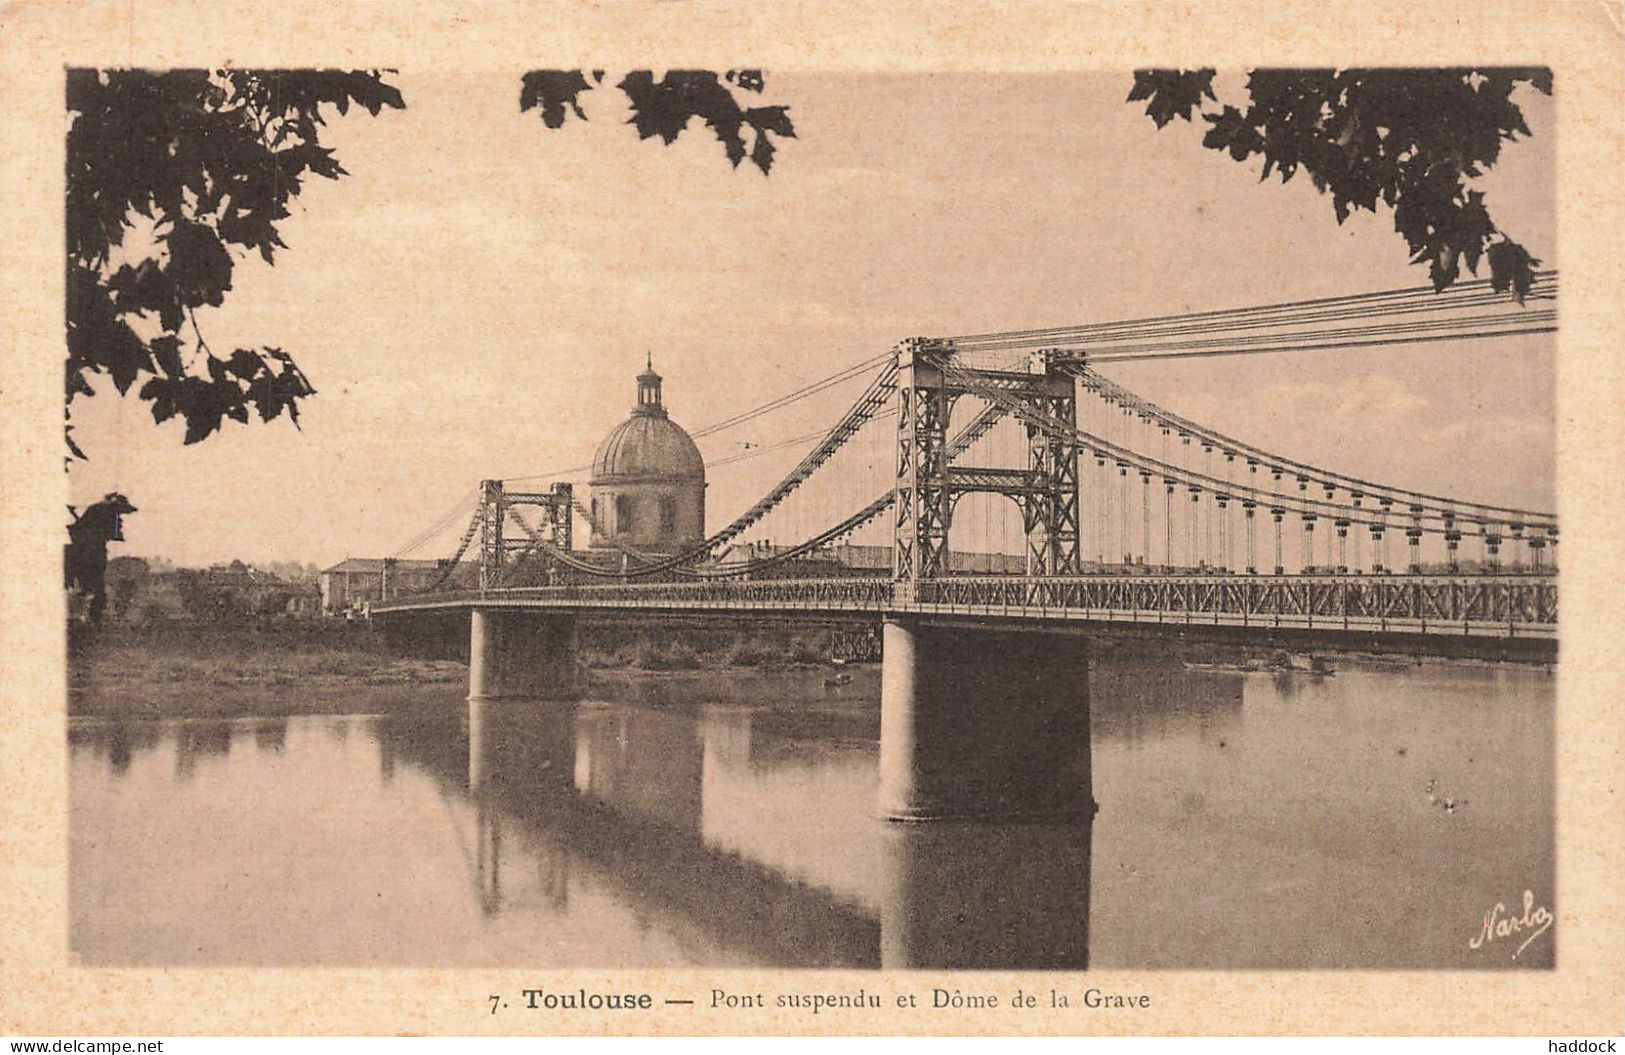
[
  {"x": 1521, "y": 605},
  {"x": 1505, "y": 605},
  {"x": 852, "y": 592}
]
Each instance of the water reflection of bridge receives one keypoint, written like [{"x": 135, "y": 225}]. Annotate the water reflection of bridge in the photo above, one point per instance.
[
  {"x": 629, "y": 798},
  {"x": 741, "y": 829}
]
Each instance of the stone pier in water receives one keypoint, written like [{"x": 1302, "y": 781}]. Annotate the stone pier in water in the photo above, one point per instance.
[
  {"x": 522, "y": 654},
  {"x": 983, "y": 724}
]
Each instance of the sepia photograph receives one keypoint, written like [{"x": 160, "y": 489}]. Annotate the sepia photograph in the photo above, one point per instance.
[
  {"x": 1130, "y": 544},
  {"x": 628, "y": 533}
]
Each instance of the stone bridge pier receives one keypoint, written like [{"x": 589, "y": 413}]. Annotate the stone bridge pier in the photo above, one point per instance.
[
  {"x": 979, "y": 724},
  {"x": 520, "y": 654}
]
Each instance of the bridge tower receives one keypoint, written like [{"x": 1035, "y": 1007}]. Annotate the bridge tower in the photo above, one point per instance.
[
  {"x": 927, "y": 487},
  {"x": 1051, "y": 502},
  {"x": 977, "y": 722},
  {"x": 513, "y": 652},
  {"x": 923, "y": 503},
  {"x": 499, "y": 509}
]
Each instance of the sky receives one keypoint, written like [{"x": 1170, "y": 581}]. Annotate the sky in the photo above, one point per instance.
[{"x": 475, "y": 298}]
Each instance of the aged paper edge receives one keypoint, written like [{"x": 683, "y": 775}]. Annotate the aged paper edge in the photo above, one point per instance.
[{"x": 42, "y": 993}]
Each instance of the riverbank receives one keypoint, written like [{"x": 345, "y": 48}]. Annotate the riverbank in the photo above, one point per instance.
[
  {"x": 287, "y": 667},
  {"x": 197, "y": 670},
  {"x": 272, "y": 669}
]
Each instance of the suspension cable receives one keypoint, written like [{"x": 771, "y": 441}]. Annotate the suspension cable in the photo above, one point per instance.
[
  {"x": 839, "y": 377},
  {"x": 1268, "y": 314},
  {"x": 439, "y": 525},
  {"x": 1094, "y": 380},
  {"x": 1323, "y": 346},
  {"x": 1104, "y": 448}
]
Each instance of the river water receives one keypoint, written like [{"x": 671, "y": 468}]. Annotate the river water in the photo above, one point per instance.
[{"x": 1367, "y": 819}]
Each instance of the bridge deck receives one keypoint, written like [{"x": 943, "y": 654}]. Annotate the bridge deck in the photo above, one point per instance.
[{"x": 1520, "y": 607}]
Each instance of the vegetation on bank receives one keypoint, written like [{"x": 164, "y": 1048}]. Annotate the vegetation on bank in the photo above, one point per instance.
[
  {"x": 228, "y": 668},
  {"x": 272, "y": 667},
  {"x": 223, "y": 669},
  {"x": 656, "y": 648}
]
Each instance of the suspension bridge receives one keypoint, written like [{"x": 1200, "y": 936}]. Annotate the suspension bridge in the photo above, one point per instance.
[{"x": 983, "y": 486}]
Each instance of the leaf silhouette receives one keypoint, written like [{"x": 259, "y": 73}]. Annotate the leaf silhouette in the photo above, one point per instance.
[
  {"x": 555, "y": 93},
  {"x": 209, "y": 160},
  {"x": 1409, "y": 139},
  {"x": 666, "y": 107}
]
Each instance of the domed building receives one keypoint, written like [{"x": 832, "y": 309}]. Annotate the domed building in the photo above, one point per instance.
[{"x": 648, "y": 480}]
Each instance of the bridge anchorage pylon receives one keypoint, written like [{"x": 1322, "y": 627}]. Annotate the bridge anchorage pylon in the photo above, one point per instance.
[{"x": 1046, "y": 488}]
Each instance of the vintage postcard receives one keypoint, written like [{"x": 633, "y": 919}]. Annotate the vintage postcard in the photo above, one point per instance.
[{"x": 674, "y": 518}]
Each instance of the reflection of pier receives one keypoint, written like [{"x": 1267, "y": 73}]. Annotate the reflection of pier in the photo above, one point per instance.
[
  {"x": 622, "y": 795},
  {"x": 996, "y": 896},
  {"x": 541, "y": 770}
]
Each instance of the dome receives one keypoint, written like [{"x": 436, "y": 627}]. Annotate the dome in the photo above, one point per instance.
[{"x": 647, "y": 446}]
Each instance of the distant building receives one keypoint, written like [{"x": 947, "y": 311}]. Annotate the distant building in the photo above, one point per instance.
[
  {"x": 355, "y": 582},
  {"x": 648, "y": 480}
]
